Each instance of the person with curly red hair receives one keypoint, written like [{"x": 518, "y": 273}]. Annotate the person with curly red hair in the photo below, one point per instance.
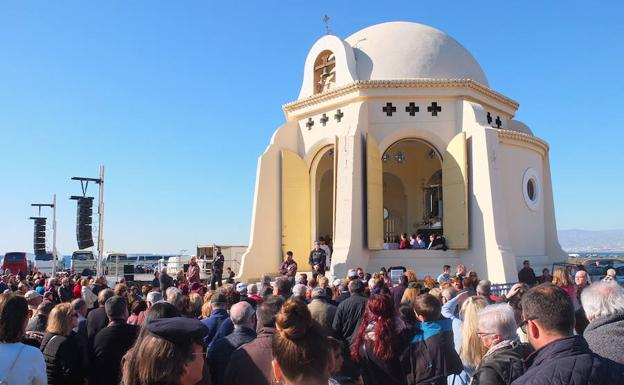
[{"x": 379, "y": 341}]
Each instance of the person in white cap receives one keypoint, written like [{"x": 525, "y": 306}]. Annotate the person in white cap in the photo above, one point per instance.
[
  {"x": 241, "y": 288},
  {"x": 34, "y": 299}
]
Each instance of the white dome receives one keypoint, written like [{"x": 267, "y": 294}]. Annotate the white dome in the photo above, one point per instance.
[{"x": 403, "y": 50}]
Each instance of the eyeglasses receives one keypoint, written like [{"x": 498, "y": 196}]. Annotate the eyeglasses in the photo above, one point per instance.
[
  {"x": 205, "y": 354},
  {"x": 75, "y": 315},
  {"x": 523, "y": 324},
  {"x": 483, "y": 334}
]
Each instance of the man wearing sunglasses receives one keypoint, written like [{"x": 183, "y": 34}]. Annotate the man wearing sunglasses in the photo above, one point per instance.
[{"x": 560, "y": 357}]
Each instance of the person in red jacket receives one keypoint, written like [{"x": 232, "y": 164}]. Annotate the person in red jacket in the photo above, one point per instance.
[{"x": 77, "y": 289}]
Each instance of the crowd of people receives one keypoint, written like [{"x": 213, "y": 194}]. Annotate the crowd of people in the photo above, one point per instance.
[{"x": 303, "y": 328}]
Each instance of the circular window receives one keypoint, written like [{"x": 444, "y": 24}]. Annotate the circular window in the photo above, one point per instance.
[{"x": 531, "y": 188}]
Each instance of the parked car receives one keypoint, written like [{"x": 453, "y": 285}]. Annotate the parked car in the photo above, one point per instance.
[{"x": 597, "y": 269}]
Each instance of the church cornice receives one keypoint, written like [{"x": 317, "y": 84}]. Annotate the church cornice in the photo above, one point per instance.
[
  {"x": 514, "y": 137},
  {"x": 360, "y": 85}
]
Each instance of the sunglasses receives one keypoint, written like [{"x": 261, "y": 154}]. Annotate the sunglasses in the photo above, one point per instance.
[{"x": 524, "y": 323}]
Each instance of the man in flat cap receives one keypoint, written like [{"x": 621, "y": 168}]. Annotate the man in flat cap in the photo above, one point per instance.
[{"x": 218, "y": 314}]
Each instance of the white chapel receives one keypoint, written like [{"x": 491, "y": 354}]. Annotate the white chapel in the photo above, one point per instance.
[{"x": 397, "y": 131}]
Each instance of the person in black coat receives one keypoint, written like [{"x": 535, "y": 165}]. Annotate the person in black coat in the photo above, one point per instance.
[
  {"x": 503, "y": 361},
  {"x": 66, "y": 291},
  {"x": 216, "y": 274},
  {"x": 317, "y": 259},
  {"x": 244, "y": 318},
  {"x": 111, "y": 343},
  {"x": 97, "y": 318},
  {"x": 165, "y": 281},
  {"x": 560, "y": 358},
  {"x": 379, "y": 341},
  {"x": 349, "y": 313},
  {"x": 65, "y": 360},
  {"x": 526, "y": 274}
]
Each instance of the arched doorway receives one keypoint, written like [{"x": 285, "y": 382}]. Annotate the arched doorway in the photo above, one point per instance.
[
  {"x": 322, "y": 181},
  {"x": 412, "y": 189}
]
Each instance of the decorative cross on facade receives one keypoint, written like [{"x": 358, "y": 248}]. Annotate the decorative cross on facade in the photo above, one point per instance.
[
  {"x": 412, "y": 108},
  {"x": 489, "y": 118},
  {"x": 388, "y": 109},
  {"x": 498, "y": 122},
  {"x": 310, "y": 123},
  {"x": 324, "y": 119},
  {"x": 338, "y": 116},
  {"x": 434, "y": 109}
]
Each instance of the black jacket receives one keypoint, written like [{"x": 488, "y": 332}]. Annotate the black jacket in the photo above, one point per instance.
[
  {"x": 165, "y": 281},
  {"x": 568, "y": 361},
  {"x": 527, "y": 275},
  {"x": 501, "y": 367},
  {"x": 221, "y": 350},
  {"x": 64, "y": 360},
  {"x": 96, "y": 321},
  {"x": 383, "y": 372},
  {"x": 348, "y": 316},
  {"x": 430, "y": 356},
  {"x": 318, "y": 257},
  {"x": 109, "y": 346},
  {"x": 66, "y": 294}
]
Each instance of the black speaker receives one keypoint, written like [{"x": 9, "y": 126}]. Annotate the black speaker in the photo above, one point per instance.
[
  {"x": 128, "y": 269},
  {"x": 39, "y": 237},
  {"x": 84, "y": 219}
]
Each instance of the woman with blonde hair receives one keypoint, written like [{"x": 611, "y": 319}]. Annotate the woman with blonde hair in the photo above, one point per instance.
[
  {"x": 87, "y": 293},
  {"x": 62, "y": 353},
  {"x": 411, "y": 292},
  {"x": 562, "y": 279},
  {"x": 471, "y": 350},
  {"x": 411, "y": 276}
]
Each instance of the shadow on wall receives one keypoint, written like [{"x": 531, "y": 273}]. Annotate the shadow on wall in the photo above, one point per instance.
[
  {"x": 475, "y": 215},
  {"x": 364, "y": 64}
]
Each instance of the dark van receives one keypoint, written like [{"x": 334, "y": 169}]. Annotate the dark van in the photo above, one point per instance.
[{"x": 15, "y": 262}]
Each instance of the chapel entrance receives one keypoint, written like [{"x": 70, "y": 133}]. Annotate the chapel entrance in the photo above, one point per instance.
[
  {"x": 323, "y": 194},
  {"x": 412, "y": 190}
]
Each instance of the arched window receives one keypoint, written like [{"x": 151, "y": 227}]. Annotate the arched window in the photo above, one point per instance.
[
  {"x": 324, "y": 72},
  {"x": 412, "y": 189}
]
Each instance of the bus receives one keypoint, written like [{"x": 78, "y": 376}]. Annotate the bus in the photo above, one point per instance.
[
  {"x": 115, "y": 263},
  {"x": 143, "y": 263},
  {"x": 15, "y": 262},
  {"x": 83, "y": 263},
  {"x": 44, "y": 263}
]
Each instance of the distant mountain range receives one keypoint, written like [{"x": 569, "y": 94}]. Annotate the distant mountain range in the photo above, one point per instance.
[{"x": 591, "y": 241}]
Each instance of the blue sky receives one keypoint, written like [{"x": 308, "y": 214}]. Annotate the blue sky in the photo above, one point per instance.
[{"x": 178, "y": 99}]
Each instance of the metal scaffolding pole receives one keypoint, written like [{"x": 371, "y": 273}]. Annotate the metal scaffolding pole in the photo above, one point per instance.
[
  {"x": 54, "y": 252},
  {"x": 100, "y": 242}
]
